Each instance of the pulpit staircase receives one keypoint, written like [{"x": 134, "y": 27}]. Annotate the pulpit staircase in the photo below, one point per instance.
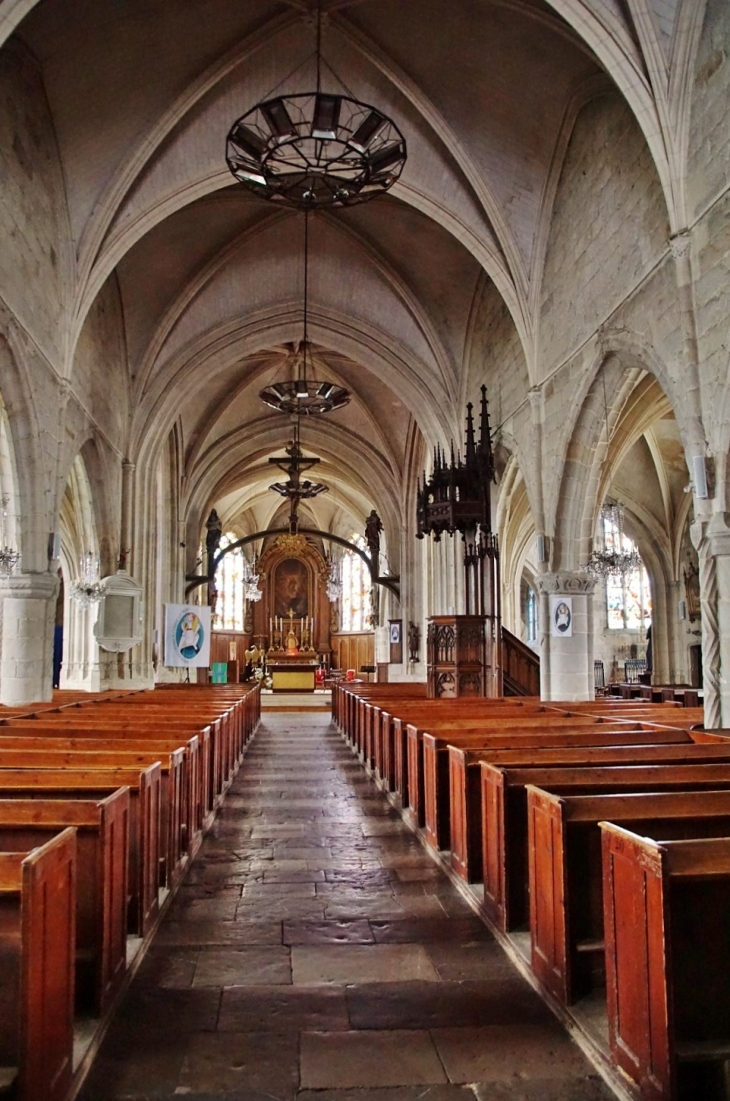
[{"x": 520, "y": 667}]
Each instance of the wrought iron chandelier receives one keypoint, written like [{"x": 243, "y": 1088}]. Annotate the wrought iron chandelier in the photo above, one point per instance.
[
  {"x": 315, "y": 149},
  {"x": 88, "y": 589},
  {"x": 305, "y": 396},
  {"x": 9, "y": 557},
  {"x": 609, "y": 557}
]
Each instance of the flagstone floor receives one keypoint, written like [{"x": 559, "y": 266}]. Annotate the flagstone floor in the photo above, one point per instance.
[{"x": 315, "y": 952}]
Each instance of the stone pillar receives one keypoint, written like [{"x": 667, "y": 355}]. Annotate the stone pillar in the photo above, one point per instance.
[
  {"x": 566, "y": 659},
  {"x": 28, "y": 615},
  {"x": 712, "y": 540}
]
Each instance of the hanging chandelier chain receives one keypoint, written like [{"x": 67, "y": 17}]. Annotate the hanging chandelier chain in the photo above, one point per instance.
[
  {"x": 306, "y": 296},
  {"x": 319, "y": 46}
]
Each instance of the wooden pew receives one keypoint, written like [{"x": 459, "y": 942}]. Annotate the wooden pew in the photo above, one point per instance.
[
  {"x": 470, "y": 713},
  {"x": 171, "y": 788},
  {"x": 504, "y": 817},
  {"x": 94, "y": 738},
  {"x": 465, "y": 782},
  {"x": 37, "y": 935},
  {"x": 102, "y": 858},
  {"x": 391, "y": 747},
  {"x": 434, "y": 758},
  {"x": 144, "y": 821},
  {"x": 566, "y": 887},
  {"x": 666, "y": 915},
  {"x": 214, "y": 752}
]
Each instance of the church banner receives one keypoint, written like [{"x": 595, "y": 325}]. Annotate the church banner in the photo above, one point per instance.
[
  {"x": 187, "y": 635},
  {"x": 561, "y": 616}
]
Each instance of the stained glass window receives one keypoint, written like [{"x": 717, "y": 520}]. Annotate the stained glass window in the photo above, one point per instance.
[
  {"x": 356, "y": 589},
  {"x": 229, "y": 586},
  {"x": 628, "y": 596}
]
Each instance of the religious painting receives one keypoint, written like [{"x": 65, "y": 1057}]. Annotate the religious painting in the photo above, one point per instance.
[
  {"x": 561, "y": 616},
  {"x": 291, "y": 588}
]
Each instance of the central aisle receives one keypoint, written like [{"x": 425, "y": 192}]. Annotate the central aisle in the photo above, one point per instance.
[{"x": 315, "y": 946}]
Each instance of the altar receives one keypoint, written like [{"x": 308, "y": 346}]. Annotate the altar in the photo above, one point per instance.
[{"x": 292, "y": 675}]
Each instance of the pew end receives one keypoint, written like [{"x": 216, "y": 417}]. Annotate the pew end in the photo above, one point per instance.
[{"x": 667, "y": 909}]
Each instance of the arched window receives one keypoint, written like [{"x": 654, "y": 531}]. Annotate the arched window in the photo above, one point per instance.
[
  {"x": 628, "y": 596},
  {"x": 229, "y": 604},
  {"x": 528, "y": 602},
  {"x": 356, "y": 589}
]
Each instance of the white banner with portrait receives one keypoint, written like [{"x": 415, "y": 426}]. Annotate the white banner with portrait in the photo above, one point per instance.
[
  {"x": 187, "y": 635},
  {"x": 561, "y": 616}
]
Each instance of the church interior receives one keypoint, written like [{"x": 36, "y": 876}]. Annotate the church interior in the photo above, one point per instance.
[{"x": 366, "y": 363}]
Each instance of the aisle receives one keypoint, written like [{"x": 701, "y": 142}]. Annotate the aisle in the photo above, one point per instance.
[{"x": 316, "y": 947}]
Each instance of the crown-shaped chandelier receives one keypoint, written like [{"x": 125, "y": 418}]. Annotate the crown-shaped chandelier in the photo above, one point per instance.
[{"x": 315, "y": 149}]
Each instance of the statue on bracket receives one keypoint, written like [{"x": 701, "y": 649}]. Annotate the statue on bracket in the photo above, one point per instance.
[
  {"x": 213, "y": 538},
  {"x": 373, "y": 529},
  {"x": 414, "y": 638}
]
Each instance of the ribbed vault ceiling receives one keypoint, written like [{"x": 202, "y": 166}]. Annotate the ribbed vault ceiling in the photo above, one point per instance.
[{"x": 210, "y": 279}]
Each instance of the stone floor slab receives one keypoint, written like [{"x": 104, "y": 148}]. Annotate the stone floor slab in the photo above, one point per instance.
[
  {"x": 503, "y": 1053},
  {"x": 361, "y": 963},
  {"x": 262, "y": 1061},
  {"x": 337, "y": 1060},
  {"x": 328, "y": 932},
  {"x": 279, "y": 1009},
  {"x": 258, "y": 966}
]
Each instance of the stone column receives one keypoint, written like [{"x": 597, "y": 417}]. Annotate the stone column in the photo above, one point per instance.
[
  {"x": 712, "y": 540},
  {"x": 28, "y": 615},
  {"x": 566, "y": 660}
]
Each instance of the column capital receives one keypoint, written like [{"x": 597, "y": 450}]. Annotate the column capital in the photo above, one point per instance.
[
  {"x": 30, "y": 586},
  {"x": 566, "y": 582},
  {"x": 717, "y": 532}
]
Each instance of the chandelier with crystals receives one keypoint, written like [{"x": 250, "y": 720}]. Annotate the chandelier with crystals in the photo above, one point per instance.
[
  {"x": 88, "y": 589},
  {"x": 610, "y": 557},
  {"x": 9, "y": 557},
  {"x": 334, "y": 580},
  {"x": 251, "y": 579}
]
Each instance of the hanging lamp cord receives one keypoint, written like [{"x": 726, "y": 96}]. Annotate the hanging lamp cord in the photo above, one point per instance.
[{"x": 306, "y": 296}]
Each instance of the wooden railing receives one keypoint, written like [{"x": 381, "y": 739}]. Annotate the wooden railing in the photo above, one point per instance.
[{"x": 520, "y": 667}]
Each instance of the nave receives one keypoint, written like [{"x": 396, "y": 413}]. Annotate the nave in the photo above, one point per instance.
[{"x": 316, "y": 951}]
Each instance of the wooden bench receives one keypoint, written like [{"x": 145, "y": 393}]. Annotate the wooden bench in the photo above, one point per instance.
[
  {"x": 465, "y": 783},
  {"x": 566, "y": 886},
  {"x": 434, "y": 759},
  {"x": 470, "y": 714},
  {"x": 94, "y": 738},
  {"x": 390, "y": 741},
  {"x": 666, "y": 915},
  {"x": 144, "y": 821},
  {"x": 171, "y": 788},
  {"x": 102, "y": 859},
  {"x": 504, "y": 818},
  {"x": 37, "y": 936}
]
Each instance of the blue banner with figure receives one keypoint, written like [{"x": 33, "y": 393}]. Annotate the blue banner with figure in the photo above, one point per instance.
[{"x": 187, "y": 635}]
